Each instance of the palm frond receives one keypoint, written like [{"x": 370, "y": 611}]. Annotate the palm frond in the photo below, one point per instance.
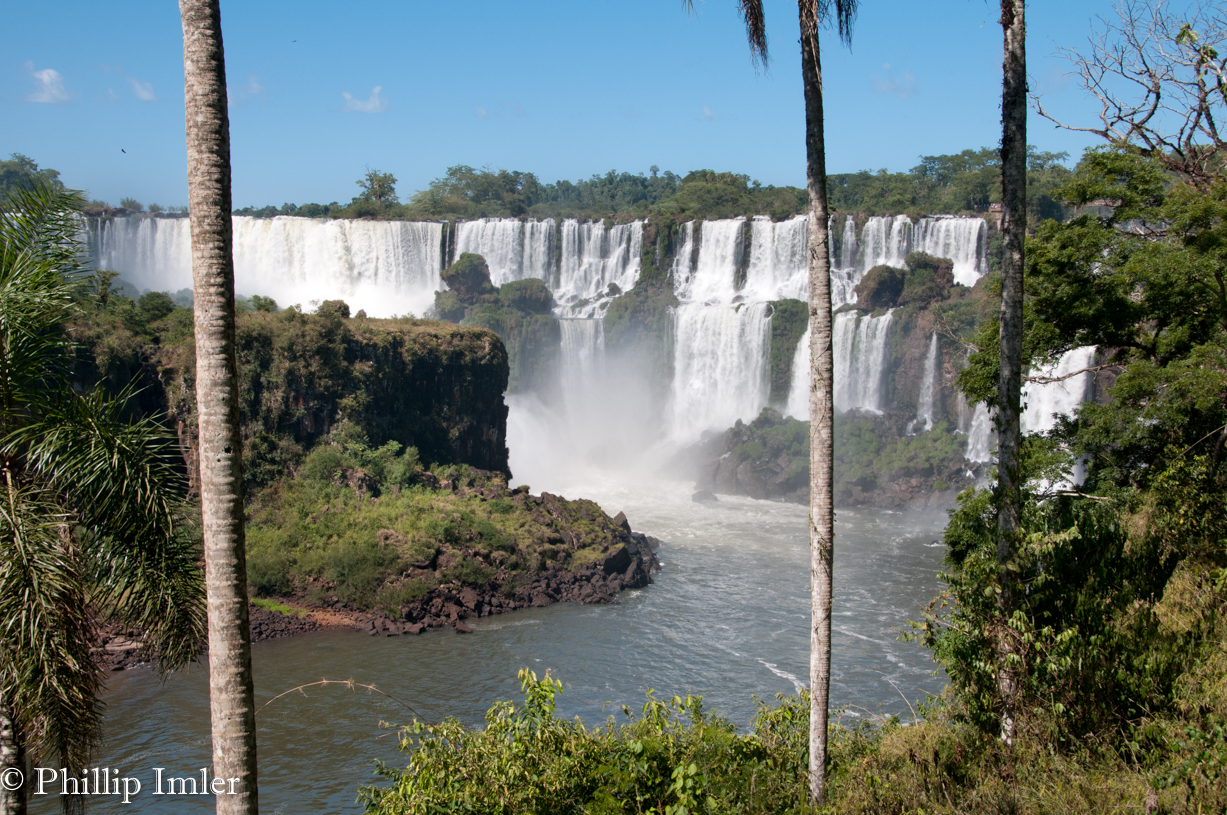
[
  {"x": 45, "y": 218},
  {"x": 845, "y": 16},
  {"x": 123, "y": 481},
  {"x": 47, "y": 671},
  {"x": 35, "y": 299},
  {"x": 756, "y": 29}
]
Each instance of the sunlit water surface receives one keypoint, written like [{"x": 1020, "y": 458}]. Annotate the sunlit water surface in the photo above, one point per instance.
[{"x": 727, "y": 618}]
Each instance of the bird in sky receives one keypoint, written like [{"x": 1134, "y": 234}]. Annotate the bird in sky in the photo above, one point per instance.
[{"x": 122, "y": 150}]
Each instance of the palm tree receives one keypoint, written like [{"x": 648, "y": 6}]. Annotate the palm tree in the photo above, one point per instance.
[
  {"x": 90, "y": 503},
  {"x": 1009, "y": 386},
  {"x": 814, "y": 14},
  {"x": 231, "y": 694}
]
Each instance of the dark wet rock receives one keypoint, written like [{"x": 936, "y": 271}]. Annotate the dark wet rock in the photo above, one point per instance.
[{"x": 704, "y": 497}]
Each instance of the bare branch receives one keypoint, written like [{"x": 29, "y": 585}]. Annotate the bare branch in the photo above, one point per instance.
[
  {"x": 1048, "y": 380},
  {"x": 1161, "y": 84}
]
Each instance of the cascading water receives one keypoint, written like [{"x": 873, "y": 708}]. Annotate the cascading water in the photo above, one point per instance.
[
  {"x": 860, "y": 356},
  {"x": 592, "y": 258},
  {"x": 720, "y": 370},
  {"x": 720, "y": 345},
  {"x": 1069, "y": 387},
  {"x": 513, "y": 249},
  {"x": 712, "y": 277},
  {"x": 979, "y": 436},
  {"x": 384, "y": 267},
  {"x": 779, "y": 263},
  {"x": 1043, "y": 402},
  {"x": 923, "y": 422},
  {"x": 721, "y": 332},
  {"x": 887, "y": 241},
  {"x": 583, "y": 358},
  {"x": 962, "y": 240},
  {"x": 798, "y": 391}
]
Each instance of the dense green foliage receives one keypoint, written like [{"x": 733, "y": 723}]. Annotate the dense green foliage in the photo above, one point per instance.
[
  {"x": 1118, "y": 637},
  {"x": 21, "y": 171},
  {"x": 867, "y": 458},
  {"x": 373, "y": 529},
  {"x": 674, "y": 758},
  {"x": 963, "y": 182},
  {"x": 924, "y": 279}
]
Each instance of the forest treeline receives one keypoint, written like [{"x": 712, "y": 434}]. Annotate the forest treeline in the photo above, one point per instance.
[{"x": 966, "y": 182}]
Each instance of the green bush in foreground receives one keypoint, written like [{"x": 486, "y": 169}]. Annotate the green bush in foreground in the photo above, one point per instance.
[{"x": 677, "y": 759}]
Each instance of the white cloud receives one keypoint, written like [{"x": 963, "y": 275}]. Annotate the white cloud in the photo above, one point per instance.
[
  {"x": 482, "y": 113},
  {"x": 143, "y": 90},
  {"x": 48, "y": 86},
  {"x": 376, "y": 104},
  {"x": 239, "y": 95},
  {"x": 902, "y": 86},
  {"x": 709, "y": 115}
]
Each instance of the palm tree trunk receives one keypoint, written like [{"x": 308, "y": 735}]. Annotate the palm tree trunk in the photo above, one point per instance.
[
  {"x": 12, "y": 763},
  {"x": 821, "y": 404},
  {"x": 231, "y": 696},
  {"x": 1009, "y": 428}
]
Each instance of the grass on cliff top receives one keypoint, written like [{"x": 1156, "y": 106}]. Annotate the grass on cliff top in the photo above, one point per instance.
[{"x": 323, "y": 533}]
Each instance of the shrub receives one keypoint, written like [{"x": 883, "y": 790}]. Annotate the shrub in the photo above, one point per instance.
[{"x": 880, "y": 288}]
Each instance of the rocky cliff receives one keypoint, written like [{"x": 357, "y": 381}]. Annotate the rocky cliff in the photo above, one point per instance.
[{"x": 434, "y": 386}]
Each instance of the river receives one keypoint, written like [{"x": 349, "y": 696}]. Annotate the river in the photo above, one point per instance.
[{"x": 727, "y": 617}]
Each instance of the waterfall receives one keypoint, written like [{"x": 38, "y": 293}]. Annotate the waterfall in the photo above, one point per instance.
[
  {"x": 861, "y": 346},
  {"x": 885, "y": 241},
  {"x": 923, "y": 422},
  {"x": 1042, "y": 403},
  {"x": 721, "y": 327},
  {"x": 848, "y": 246},
  {"x": 720, "y": 344},
  {"x": 384, "y": 267},
  {"x": 513, "y": 249},
  {"x": 713, "y": 276},
  {"x": 861, "y": 353},
  {"x": 1045, "y": 402},
  {"x": 583, "y": 358},
  {"x": 798, "y": 390},
  {"x": 779, "y": 262},
  {"x": 979, "y": 436},
  {"x": 962, "y": 240},
  {"x": 593, "y": 257},
  {"x": 720, "y": 366}
]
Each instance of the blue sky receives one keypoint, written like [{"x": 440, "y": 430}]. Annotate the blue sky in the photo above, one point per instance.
[{"x": 320, "y": 91}]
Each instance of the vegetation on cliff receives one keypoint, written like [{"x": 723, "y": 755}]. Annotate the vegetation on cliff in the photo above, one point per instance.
[
  {"x": 423, "y": 384},
  {"x": 876, "y": 462},
  {"x": 520, "y": 312},
  {"x": 789, "y": 322},
  {"x": 369, "y": 528}
]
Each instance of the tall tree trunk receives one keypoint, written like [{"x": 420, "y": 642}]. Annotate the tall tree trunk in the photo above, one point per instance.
[
  {"x": 231, "y": 697},
  {"x": 1009, "y": 387},
  {"x": 13, "y": 784},
  {"x": 821, "y": 405}
]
